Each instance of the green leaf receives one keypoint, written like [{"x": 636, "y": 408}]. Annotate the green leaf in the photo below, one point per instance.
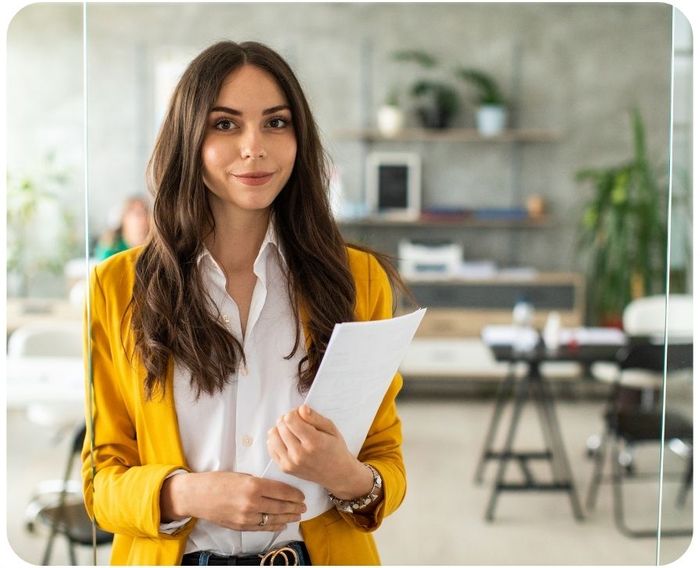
[
  {"x": 489, "y": 92},
  {"x": 622, "y": 229},
  {"x": 422, "y": 58}
]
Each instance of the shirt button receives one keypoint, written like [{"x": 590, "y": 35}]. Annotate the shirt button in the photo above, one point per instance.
[{"x": 247, "y": 441}]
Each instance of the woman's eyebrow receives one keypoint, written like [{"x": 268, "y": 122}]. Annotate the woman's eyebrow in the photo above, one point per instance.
[{"x": 239, "y": 113}]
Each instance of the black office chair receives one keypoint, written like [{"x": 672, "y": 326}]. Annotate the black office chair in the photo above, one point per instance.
[
  {"x": 629, "y": 422},
  {"x": 63, "y": 511}
]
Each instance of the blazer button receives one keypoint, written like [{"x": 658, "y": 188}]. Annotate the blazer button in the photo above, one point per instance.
[
  {"x": 226, "y": 318},
  {"x": 247, "y": 441}
]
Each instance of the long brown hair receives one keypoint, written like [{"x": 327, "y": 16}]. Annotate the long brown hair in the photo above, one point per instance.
[{"x": 170, "y": 316}]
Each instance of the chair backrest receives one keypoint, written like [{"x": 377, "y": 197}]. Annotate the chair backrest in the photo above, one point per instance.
[
  {"x": 647, "y": 316},
  {"x": 50, "y": 339},
  {"x": 652, "y": 356}
]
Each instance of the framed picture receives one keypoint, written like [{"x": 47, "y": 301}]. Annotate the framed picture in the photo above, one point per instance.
[{"x": 393, "y": 184}]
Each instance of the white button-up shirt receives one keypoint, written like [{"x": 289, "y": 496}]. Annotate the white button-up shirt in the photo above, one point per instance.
[{"x": 228, "y": 431}]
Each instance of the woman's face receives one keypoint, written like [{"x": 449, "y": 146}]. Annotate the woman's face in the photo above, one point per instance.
[
  {"x": 250, "y": 146},
  {"x": 135, "y": 223}
]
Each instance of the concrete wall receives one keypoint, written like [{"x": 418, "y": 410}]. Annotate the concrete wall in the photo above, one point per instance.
[{"x": 573, "y": 68}]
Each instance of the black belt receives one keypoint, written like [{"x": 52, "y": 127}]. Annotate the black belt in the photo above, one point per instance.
[{"x": 291, "y": 554}]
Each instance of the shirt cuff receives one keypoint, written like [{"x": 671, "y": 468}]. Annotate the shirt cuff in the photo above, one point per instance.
[{"x": 173, "y": 526}]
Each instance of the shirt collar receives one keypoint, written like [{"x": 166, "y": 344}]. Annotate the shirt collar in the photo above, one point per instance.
[{"x": 270, "y": 238}]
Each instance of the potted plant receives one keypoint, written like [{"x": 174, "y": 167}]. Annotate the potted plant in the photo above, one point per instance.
[
  {"x": 390, "y": 117},
  {"x": 41, "y": 230},
  {"x": 623, "y": 232},
  {"x": 438, "y": 101},
  {"x": 491, "y": 113}
]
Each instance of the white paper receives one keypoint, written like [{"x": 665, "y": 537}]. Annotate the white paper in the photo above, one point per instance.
[
  {"x": 360, "y": 362},
  {"x": 592, "y": 336},
  {"x": 494, "y": 335}
]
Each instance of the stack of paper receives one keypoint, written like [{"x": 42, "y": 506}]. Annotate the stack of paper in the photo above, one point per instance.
[
  {"x": 592, "y": 336},
  {"x": 360, "y": 362}
]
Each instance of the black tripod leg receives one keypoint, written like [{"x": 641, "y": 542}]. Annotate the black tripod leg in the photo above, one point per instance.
[
  {"x": 559, "y": 449},
  {"x": 504, "y": 389},
  {"x": 521, "y": 392},
  {"x": 540, "y": 405}
]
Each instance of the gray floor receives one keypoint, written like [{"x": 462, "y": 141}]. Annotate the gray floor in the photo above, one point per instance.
[{"x": 441, "y": 520}]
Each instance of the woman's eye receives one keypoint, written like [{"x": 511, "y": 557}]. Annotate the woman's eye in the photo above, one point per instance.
[
  {"x": 279, "y": 122},
  {"x": 224, "y": 124}
]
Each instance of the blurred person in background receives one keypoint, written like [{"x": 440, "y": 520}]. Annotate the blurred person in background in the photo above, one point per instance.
[{"x": 132, "y": 230}]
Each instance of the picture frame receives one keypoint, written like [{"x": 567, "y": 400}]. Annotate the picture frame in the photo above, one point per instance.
[{"x": 393, "y": 185}]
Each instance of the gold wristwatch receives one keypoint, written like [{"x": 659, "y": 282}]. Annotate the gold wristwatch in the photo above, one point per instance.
[{"x": 352, "y": 505}]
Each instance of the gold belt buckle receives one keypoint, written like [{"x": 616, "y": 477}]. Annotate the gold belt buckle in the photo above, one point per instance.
[{"x": 273, "y": 554}]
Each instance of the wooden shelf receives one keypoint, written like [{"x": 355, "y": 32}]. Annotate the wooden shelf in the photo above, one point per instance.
[
  {"x": 461, "y": 307},
  {"x": 449, "y": 135},
  {"x": 538, "y": 278},
  {"x": 540, "y": 223}
]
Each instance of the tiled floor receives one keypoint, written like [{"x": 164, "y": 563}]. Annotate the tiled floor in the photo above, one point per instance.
[{"x": 441, "y": 520}]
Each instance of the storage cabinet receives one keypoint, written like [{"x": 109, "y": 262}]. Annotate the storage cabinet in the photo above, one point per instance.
[{"x": 461, "y": 308}]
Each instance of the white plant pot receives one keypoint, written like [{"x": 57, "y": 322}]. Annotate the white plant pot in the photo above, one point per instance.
[
  {"x": 390, "y": 120},
  {"x": 491, "y": 119}
]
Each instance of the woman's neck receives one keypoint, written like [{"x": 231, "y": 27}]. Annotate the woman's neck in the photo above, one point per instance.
[{"x": 237, "y": 238}]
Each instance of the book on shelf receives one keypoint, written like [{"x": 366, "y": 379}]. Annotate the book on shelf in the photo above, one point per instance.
[
  {"x": 445, "y": 214},
  {"x": 501, "y": 214}
]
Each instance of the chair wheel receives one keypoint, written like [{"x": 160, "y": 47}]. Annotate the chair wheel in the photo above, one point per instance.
[
  {"x": 626, "y": 460},
  {"x": 593, "y": 446}
]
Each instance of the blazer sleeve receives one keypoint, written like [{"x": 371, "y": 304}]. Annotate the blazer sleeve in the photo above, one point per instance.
[
  {"x": 382, "y": 447},
  {"x": 121, "y": 494}
]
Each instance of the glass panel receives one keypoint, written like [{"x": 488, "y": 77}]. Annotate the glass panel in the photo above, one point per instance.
[
  {"x": 570, "y": 94},
  {"x": 509, "y": 203},
  {"x": 676, "y": 496},
  {"x": 45, "y": 272}
]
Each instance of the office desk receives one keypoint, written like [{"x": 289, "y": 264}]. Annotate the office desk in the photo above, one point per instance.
[
  {"x": 534, "y": 386},
  {"x": 45, "y": 380},
  {"x": 23, "y": 311}
]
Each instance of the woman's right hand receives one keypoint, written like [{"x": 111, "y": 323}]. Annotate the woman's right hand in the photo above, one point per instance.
[{"x": 233, "y": 500}]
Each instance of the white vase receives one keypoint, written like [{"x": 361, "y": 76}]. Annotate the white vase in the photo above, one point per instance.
[
  {"x": 390, "y": 120},
  {"x": 491, "y": 119}
]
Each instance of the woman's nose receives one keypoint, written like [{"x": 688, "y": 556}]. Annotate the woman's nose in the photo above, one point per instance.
[{"x": 252, "y": 145}]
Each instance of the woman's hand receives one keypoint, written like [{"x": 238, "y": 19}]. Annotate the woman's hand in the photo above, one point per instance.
[
  {"x": 309, "y": 446},
  {"x": 233, "y": 500}
]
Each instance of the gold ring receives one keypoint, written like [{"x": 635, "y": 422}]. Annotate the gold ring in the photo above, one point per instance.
[{"x": 264, "y": 519}]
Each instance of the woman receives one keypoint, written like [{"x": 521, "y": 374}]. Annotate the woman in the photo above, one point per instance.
[
  {"x": 132, "y": 231},
  {"x": 205, "y": 341}
]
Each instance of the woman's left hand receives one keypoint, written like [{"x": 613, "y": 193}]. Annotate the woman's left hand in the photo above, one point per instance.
[{"x": 309, "y": 446}]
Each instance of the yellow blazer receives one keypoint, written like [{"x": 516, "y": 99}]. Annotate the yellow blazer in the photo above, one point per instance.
[{"x": 137, "y": 443}]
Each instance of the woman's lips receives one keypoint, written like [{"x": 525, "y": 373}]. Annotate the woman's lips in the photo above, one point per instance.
[{"x": 247, "y": 180}]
